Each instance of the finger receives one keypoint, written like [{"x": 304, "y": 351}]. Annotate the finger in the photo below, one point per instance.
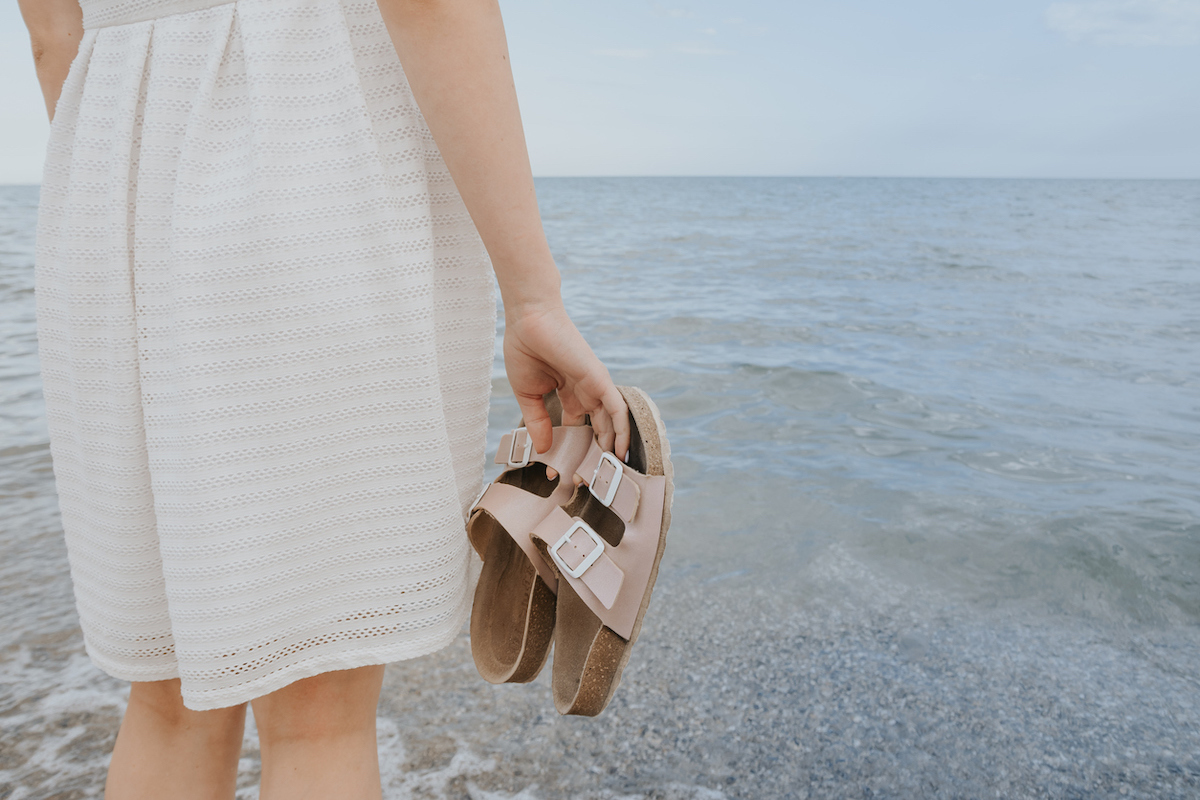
[
  {"x": 597, "y": 417},
  {"x": 551, "y": 473},
  {"x": 537, "y": 421},
  {"x": 573, "y": 411},
  {"x": 603, "y": 426},
  {"x": 618, "y": 413}
]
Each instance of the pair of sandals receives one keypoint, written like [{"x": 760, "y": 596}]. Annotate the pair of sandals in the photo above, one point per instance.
[{"x": 569, "y": 565}]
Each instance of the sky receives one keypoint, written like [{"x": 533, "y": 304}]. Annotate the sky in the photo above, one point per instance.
[{"x": 962, "y": 88}]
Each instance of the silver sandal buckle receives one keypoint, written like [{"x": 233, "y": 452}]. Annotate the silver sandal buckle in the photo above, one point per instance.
[
  {"x": 527, "y": 449},
  {"x": 618, "y": 471},
  {"x": 588, "y": 560}
]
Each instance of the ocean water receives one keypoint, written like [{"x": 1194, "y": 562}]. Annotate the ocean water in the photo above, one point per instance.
[
  {"x": 937, "y": 526},
  {"x": 994, "y": 383}
]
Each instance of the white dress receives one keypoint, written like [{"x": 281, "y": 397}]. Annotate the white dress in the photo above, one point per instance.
[{"x": 266, "y": 328}]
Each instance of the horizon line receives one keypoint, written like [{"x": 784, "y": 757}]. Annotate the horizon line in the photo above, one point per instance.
[{"x": 14, "y": 184}]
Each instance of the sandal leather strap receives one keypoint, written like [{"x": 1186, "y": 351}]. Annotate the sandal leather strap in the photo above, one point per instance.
[
  {"x": 600, "y": 470},
  {"x": 569, "y": 446},
  {"x": 614, "y": 586},
  {"x": 602, "y": 577},
  {"x": 518, "y": 512}
]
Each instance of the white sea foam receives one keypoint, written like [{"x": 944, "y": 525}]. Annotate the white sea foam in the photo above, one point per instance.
[{"x": 70, "y": 699}]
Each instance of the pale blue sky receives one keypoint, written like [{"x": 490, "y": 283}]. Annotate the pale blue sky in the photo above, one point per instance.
[{"x": 1021, "y": 88}]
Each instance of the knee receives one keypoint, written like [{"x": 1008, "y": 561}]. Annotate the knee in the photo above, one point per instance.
[
  {"x": 162, "y": 702},
  {"x": 325, "y": 706}
]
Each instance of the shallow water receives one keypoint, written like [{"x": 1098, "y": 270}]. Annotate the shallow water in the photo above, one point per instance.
[{"x": 937, "y": 520}]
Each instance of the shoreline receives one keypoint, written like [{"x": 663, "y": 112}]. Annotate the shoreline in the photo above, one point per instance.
[{"x": 872, "y": 688}]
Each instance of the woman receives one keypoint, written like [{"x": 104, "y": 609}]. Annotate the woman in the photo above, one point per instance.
[{"x": 265, "y": 324}]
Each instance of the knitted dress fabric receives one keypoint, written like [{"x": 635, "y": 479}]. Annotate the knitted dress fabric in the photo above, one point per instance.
[{"x": 266, "y": 328}]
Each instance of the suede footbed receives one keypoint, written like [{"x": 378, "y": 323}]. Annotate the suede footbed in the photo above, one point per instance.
[{"x": 513, "y": 611}]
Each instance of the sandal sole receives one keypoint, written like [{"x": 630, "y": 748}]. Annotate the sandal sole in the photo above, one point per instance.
[{"x": 585, "y": 678}]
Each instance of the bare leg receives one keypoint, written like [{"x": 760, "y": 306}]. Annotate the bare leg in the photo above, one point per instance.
[
  {"x": 166, "y": 750},
  {"x": 317, "y": 737}
]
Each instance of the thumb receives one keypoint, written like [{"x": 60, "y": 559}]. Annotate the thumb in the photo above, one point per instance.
[{"x": 537, "y": 421}]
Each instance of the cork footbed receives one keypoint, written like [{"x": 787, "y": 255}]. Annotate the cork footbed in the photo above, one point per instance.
[
  {"x": 588, "y": 656},
  {"x": 513, "y": 613}
]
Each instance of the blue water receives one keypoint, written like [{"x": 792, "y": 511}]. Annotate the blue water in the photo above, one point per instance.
[
  {"x": 983, "y": 392},
  {"x": 997, "y": 379}
]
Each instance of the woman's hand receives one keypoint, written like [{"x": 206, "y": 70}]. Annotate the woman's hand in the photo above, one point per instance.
[{"x": 544, "y": 351}]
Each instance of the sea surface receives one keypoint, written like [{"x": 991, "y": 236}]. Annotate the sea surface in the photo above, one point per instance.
[{"x": 937, "y": 518}]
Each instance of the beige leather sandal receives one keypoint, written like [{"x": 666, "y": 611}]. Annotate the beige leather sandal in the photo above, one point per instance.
[
  {"x": 604, "y": 546},
  {"x": 512, "y": 618}
]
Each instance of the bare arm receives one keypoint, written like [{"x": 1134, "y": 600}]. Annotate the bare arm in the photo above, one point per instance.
[
  {"x": 55, "y": 28},
  {"x": 455, "y": 55}
]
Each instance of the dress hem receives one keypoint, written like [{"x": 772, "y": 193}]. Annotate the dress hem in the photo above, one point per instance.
[{"x": 331, "y": 662}]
